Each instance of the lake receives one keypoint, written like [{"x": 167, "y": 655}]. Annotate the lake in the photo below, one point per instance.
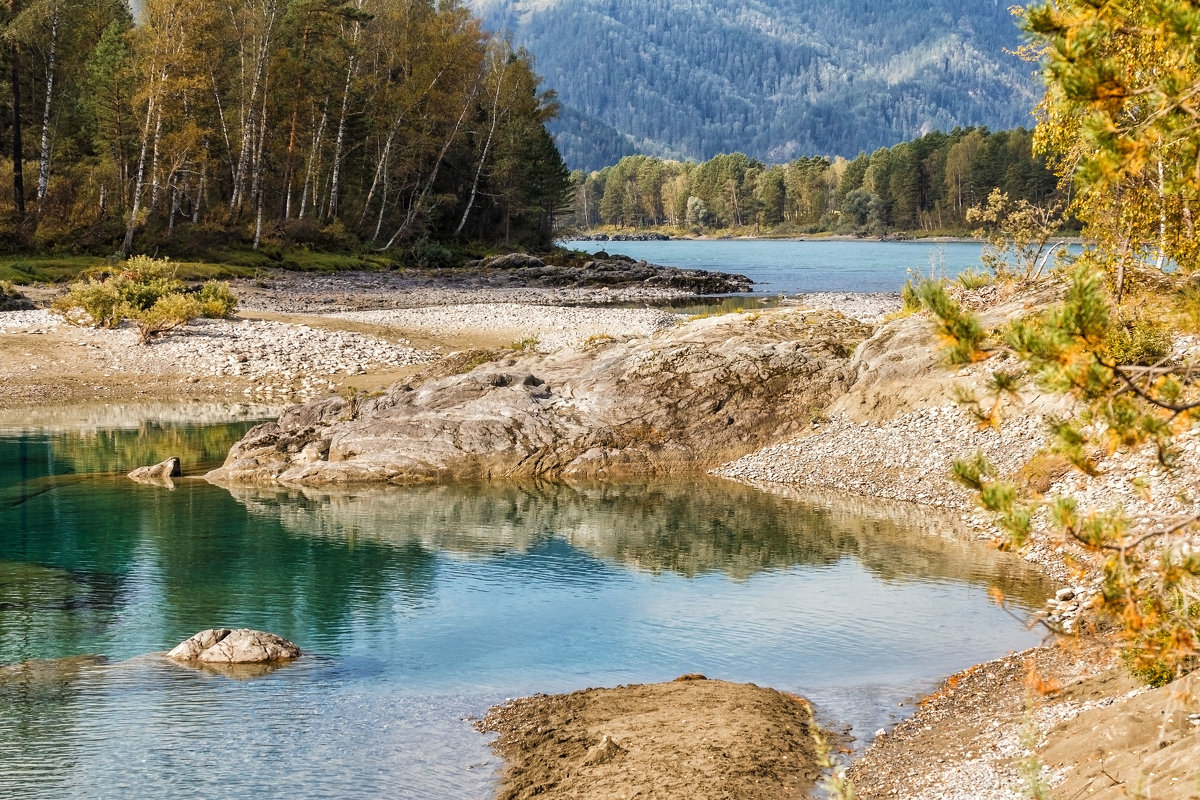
[
  {"x": 792, "y": 266},
  {"x": 420, "y": 607}
]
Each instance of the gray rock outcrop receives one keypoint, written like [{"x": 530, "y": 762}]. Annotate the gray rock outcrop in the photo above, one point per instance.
[
  {"x": 241, "y": 646},
  {"x": 159, "y": 472},
  {"x": 604, "y": 270},
  {"x": 684, "y": 399}
]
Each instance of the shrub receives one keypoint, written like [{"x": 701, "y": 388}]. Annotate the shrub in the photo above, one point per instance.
[
  {"x": 971, "y": 279},
  {"x": 1188, "y": 305},
  {"x": 909, "y": 298},
  {"x": 98, "y": 300},
  {"x": 217, "y": 300},
  {"x": 168, "y": 313},
  {"x": 145, "y": 291},
  {"x": 1137, "y": 338}
]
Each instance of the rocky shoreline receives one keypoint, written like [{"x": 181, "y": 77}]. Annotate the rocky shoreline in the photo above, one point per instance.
[
  {"x": 641, "y": 389},
  {"x": 684, "y": 397}
]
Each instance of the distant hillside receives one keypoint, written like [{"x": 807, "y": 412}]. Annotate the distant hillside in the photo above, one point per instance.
[{"x": 775, "y": 79}]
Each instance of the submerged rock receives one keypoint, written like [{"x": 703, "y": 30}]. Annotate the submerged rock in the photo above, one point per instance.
[
  {"x": 687, "y": 398},
  {"x": 159, "y": 474},
  {"x": 242, "y": 646}
]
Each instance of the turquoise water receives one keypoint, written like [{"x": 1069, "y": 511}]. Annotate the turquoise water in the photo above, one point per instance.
[
  {"x": 417, "y": 608},
  {"x": 791, "y": 267}
]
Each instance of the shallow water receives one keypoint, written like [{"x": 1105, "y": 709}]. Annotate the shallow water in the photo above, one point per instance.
[
  {"x": 419, "y": 607},
  {"x": 793, "y": 266}
]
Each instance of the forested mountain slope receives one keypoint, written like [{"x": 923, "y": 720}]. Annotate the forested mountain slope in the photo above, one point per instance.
[{"x": 775, "y": 79}]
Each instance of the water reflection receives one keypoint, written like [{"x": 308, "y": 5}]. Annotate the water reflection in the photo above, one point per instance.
[
  {"x": 416, "y": 606},
  {"x": 688, "y": 528}
]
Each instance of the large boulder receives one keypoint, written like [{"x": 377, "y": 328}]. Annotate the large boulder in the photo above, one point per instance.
[
  {"x": 159, "y": 474},
  {"x": 242, "y": 646},
  {"x": 684, "y": 399}
]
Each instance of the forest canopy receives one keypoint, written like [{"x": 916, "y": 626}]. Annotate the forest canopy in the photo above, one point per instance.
[
  {"x": 385, "y": 124},
  {"x": 926, "y": 185}
]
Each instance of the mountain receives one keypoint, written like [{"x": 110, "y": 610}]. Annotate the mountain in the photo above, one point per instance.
[{"x": 775, "y": 79}]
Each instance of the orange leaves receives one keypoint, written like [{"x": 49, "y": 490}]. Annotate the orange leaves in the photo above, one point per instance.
[{"x": 1043, "y": 687}]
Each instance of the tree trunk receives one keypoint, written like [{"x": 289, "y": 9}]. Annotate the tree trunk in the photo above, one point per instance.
[
  {"x": 1121, "y": 270},
  {"x": 200, "y": 194},
  {"x": 289, "y": 168},
  {"x": 224, "y": 127},
  {"x": 18, "y": 150},
  {"x": 314, "y": 162},
  {"x": 1162, "y": 218},
  {"x": 250, "y": 120},
  {"x": 44, "y": 163},
  {"x": 414, "y": 206},
  {"x": 382, "y": 207},
  {"x": 483, "y": 156},
  {"x": 380, "y": 170},
  {"x": 155, "y": 187},
  {"x": 174, "y": 209},
  {"x": 140, "y": 182},
  {"x": 334, "y": 180},
  {"x": 258, "y": 224}
]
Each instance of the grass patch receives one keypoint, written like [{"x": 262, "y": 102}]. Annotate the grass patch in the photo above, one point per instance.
[
  {"x": 1137, "y": 337},
  {"x": 526, "y": 345},
  {"x": 217, "y": 264},
  {"x": 972, "y": 279},
  {"x": 25, "y": 270},
  {"x": 22, "y": 270}
]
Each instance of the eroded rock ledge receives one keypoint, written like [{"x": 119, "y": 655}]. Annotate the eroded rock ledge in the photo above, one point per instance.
[{"x": 686, "y": 398}]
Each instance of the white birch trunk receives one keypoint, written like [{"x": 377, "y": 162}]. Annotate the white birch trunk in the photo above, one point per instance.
[
  {"x": 334, "y": 179},
  {"x": 414, "y": 206},
  {"x": 140, "y": 183},
  {"x": 44, "y": 163},
  {"x": 483, "y": 156}
]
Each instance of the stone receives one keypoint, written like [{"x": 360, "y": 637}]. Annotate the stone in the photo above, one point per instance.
[
  {"x": 241, "y": 646},
  {"x": 160, "y": 474},
  {"x": 687, "y": 398}
]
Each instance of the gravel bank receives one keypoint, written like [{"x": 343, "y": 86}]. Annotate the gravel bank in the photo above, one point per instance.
[
  {"x": 272, "y": 358},
  {"x": 289, "y": 293},
  {"x": 870, "y": 307},
  {"x": 553, "y": 327}
]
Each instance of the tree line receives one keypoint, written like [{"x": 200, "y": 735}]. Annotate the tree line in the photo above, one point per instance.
[
  {"x": 378, "y": 123},
  {"x": 925, "y": 185}
]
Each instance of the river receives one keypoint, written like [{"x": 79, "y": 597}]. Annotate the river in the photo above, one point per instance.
[
  {"x": 420, "y": 607},
  {"x": 796, "y": 266}
]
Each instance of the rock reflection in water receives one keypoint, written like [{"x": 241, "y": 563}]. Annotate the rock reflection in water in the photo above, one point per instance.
[{"x": 687, "y": 528}]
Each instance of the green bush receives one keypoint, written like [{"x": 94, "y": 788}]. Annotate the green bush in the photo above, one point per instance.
[
  {"x": 217, "y": 300},
  {"x": 99, "y": 301},
  {"x": 910, "y": 300},
  {"x": 168, "y": 313},
  {"x": 1136, "y": 338},
  {"x": 971, "y": 279},
  {"x": 1188, "y": 305},
  {"x": 145, "y": 291}
]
